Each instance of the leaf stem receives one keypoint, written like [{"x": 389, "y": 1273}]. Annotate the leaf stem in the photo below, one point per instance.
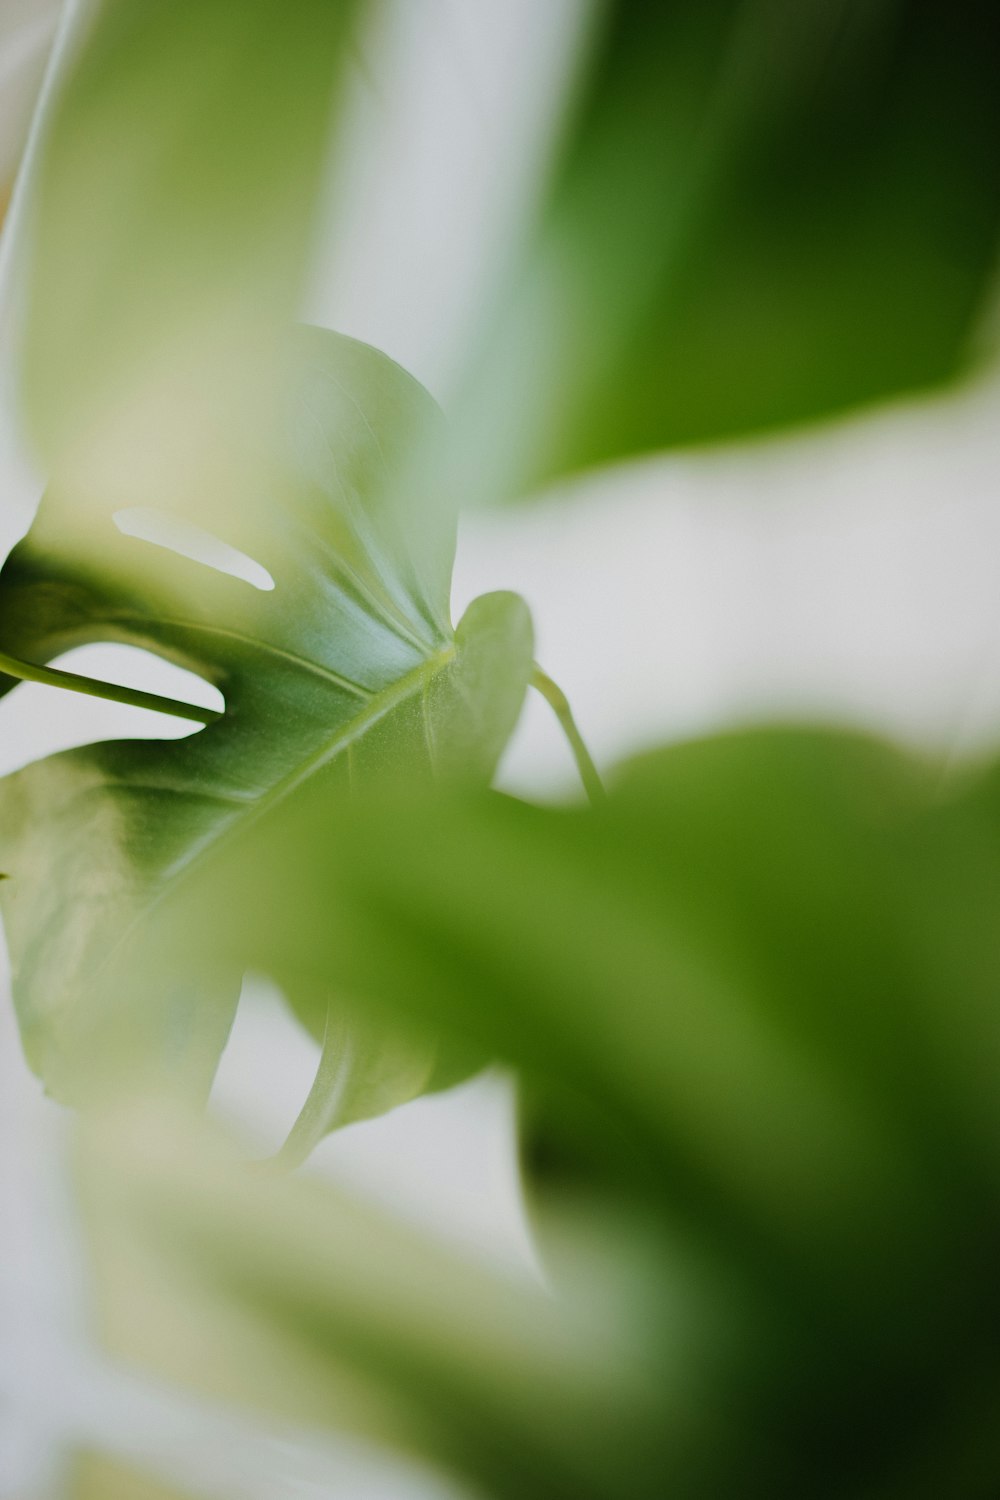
[
  {"x": 559, "y": 703},
  {"x": 93, "y": 687}
]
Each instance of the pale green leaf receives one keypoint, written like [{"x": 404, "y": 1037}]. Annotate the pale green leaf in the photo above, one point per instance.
[
  {"x": 303, "y": 1302},
  {"x": 97, "y": 1476},
  {"x": 172, "y": 224}
]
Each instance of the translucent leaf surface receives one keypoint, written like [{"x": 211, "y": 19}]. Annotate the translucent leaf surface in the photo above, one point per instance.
[
  {"x": 172, "y": 224},
  {"x": 753, "y": 1003}
]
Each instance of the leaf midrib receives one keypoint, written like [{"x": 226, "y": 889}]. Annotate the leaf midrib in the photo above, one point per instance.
[{"x": 377, "y": 707}]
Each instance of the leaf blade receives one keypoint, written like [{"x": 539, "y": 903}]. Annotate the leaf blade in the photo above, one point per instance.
[
  {"x": 173, "y": 218},
  {"x": 326, "y": 675},
  {"x": 760, "y": 215}
]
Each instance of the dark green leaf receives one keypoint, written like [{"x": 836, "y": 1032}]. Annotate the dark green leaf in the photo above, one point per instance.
[
  {"x": 755, "y": 1001},
  {"x": 763, "y": 213}
]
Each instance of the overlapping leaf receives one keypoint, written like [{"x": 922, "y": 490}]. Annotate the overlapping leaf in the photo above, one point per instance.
[
  {"x": 304, "y": 1303},
  {"x": 761, "y": 213},
  {"x": 347, "y": 666},
  {"x": 173, "y": 211},
  {"x": 753, "y": 1001}
]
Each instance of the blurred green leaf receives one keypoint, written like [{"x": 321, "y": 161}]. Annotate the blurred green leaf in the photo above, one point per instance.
[
  {"x": 347, "y": 667},
  {"x": 761, "y": 213},
  {"x": 301, "y": 1301},
  {"x": 96, "y": 1476},
  {"x": 27, "y": 29},
  {"x": 367, "y": 1068},
  {"x": 173, "y": 217},
  {"x": 756, "y": 996}
]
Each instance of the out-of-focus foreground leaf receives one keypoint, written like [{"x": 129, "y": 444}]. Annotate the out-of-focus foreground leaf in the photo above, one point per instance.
[
  {"x": 762, "y": 212},
  {"x": 304, "y": 1303},
  {"x": 95, "y": 1476},
  {"x": 173, "y": 217},
  {"x": 348, "y": 665},
  {"x": 753, "y": 1002},
  {"x": 27, "y": 28}
]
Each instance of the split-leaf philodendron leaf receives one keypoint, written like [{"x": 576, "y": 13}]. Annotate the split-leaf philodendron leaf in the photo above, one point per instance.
[
  {"x": 753, "y": 1001},
  {"x": 378, "y": 1331},
  {"x": 347, "y": 667}
]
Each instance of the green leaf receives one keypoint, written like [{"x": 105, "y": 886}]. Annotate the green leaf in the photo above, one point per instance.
[
  {"x": 761, "y": 214},
  {"x": 365, "y": 1069},
  {"x": 172, "y": 228},
  {"x": 303, "y": 1302},
  {"x": 347, "y": 668},
  {"x": 96, "y": 1476},
  {"x": 753, "y": 998}
]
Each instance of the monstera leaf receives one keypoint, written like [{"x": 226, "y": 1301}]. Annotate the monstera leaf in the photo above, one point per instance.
[
  {"x": 347, "y": 666},
  {"x": 302, "y": 1302},
  {"x": 752, "y": 1004}
]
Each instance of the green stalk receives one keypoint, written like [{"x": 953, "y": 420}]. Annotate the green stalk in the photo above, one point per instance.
[
  {"x": 559, "y": 703},
  {"x": 93, "y": 687}
]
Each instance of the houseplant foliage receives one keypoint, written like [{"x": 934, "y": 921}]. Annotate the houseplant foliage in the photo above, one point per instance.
[
  {"x": 752, "y": 1004},
  {"x": 749, "y": 998},
  {"x": 761, "y": 213},
  {"x": 350, "y": 662},
  {"x": 351, "y": 658}
]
